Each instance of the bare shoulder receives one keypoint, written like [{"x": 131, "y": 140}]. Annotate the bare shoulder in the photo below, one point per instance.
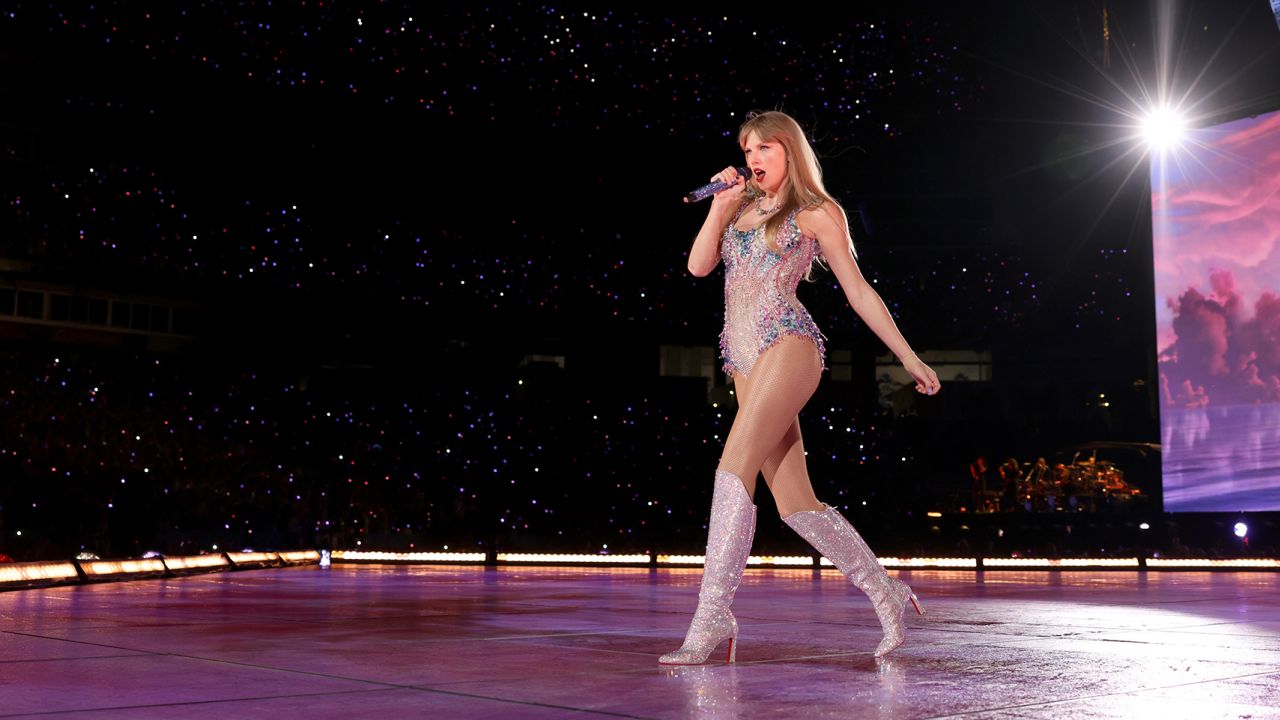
[{"x": 820, "y": 221}]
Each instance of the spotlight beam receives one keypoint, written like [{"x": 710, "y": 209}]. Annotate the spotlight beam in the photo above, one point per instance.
[{"x": 1163, "y": 128}]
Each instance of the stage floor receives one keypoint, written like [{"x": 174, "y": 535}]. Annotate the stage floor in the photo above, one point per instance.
[{"x": 462, "y": 642}]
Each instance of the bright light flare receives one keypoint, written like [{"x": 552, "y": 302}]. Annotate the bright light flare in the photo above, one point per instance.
[
  {"x": 1164, "y": 128},
  {"x": 1241, "y": 530}
]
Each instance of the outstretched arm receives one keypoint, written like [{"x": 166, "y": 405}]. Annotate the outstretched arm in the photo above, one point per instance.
[{"x": 825, "y": 224}]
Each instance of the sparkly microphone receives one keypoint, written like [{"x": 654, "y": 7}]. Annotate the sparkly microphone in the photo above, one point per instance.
[{"x": 711, "y": 188}]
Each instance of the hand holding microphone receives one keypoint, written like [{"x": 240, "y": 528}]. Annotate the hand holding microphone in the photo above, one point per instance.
[{"x": 721, "y": 181}]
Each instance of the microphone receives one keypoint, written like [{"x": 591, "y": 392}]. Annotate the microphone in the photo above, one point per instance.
[{"x": 712, "y": 188}]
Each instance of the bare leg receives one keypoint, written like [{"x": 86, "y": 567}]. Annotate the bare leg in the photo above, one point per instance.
[
  {"x": 787, "y": 476},
  {"x": 784, "y": 470},
  {"x": 781, "y": 382}
]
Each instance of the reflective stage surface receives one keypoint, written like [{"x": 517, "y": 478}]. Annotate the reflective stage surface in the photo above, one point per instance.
[{"x": 462, "y": 642}]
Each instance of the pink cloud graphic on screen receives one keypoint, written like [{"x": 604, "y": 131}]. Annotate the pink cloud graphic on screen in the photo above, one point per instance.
[
  {"x": 1217, "y": 222},
  {"x": 1218, "y": 358}
]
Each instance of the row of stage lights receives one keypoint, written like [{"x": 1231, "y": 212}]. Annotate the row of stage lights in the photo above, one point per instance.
[
  {"x": 805, "y": 561},
  {"x": 24, "y": 575},
  {"x": 60, "y": 572}
]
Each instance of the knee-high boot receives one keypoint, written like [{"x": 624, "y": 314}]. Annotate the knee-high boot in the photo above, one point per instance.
[
  {"x": 831, "y": 534},
  {"x": 729, "y": 535}
]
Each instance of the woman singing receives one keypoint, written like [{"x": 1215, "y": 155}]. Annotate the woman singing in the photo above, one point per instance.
[{"x": 769, "y": 229}]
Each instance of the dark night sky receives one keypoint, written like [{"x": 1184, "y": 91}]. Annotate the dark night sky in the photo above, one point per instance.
[
  {"x": 468, "y": 129},
  {"x": 435, "y": 191}
]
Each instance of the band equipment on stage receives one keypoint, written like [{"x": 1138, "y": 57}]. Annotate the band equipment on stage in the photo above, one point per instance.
[{"x": 1084, "y": 485}]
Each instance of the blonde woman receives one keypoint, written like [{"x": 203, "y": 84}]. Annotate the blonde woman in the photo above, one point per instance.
[{"x": 770, "y": 228}]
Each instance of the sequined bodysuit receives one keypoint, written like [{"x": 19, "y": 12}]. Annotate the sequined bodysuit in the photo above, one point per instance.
[{"x": 760, "y": 304}]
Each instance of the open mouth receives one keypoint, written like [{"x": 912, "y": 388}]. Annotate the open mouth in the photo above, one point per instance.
[{"x": 759, "y": 175}]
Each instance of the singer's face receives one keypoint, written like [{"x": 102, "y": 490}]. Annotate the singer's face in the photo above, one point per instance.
[{"x": 767, "y": 160}]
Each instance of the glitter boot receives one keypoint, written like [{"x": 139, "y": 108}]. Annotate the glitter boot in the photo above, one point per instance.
[
  {"x": 832, "y": 535},
  {"x": 729, "y": 534}
]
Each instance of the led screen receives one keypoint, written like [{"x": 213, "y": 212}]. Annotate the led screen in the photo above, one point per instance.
[{"x": 1216, "y": 220}]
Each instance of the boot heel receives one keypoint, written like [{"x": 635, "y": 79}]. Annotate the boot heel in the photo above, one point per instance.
[
  {"x": 729, "y": 534},
  {"x": 915, "y": 603}
]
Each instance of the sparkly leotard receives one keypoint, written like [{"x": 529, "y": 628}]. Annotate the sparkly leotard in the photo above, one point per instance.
[{"x": 760, "y": 304}]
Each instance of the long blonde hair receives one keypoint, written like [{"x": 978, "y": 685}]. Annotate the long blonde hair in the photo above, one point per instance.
[{"x": 804, "y": 188}]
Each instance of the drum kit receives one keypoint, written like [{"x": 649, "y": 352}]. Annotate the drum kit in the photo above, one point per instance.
[{"x": 1087, "y": 484}]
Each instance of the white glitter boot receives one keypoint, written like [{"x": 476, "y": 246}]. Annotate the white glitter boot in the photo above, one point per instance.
[
  {"x": 832, "y": 535},
  {"x": 729, "y": 534}
]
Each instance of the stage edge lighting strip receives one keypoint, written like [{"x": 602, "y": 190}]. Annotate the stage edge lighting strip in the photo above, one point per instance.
[
  {"x": 94, "y": 568},
  {"x": 892, "y": 562},
  {"x": 1060, "y": 562},
  {"x": 588, "y": 559},
  {"x": 772, "y": 560},
  {"x": 195, "y": 562},
  {"x": 680, "y": 559},
  {"x": 300, "y": 556},
  {"x": 37, "y": 572},
  {"x": 1206, "y": 563},
  {"x": 805, "y": 561},
  {"x": 407, "y": 557},
  {"x": 241, "y": 558}
]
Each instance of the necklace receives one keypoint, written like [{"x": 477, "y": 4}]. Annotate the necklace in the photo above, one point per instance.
[{"x": 761, "y": 210}]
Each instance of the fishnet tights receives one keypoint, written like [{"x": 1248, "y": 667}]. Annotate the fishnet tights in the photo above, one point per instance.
[{"x": 766, "y": 430}]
